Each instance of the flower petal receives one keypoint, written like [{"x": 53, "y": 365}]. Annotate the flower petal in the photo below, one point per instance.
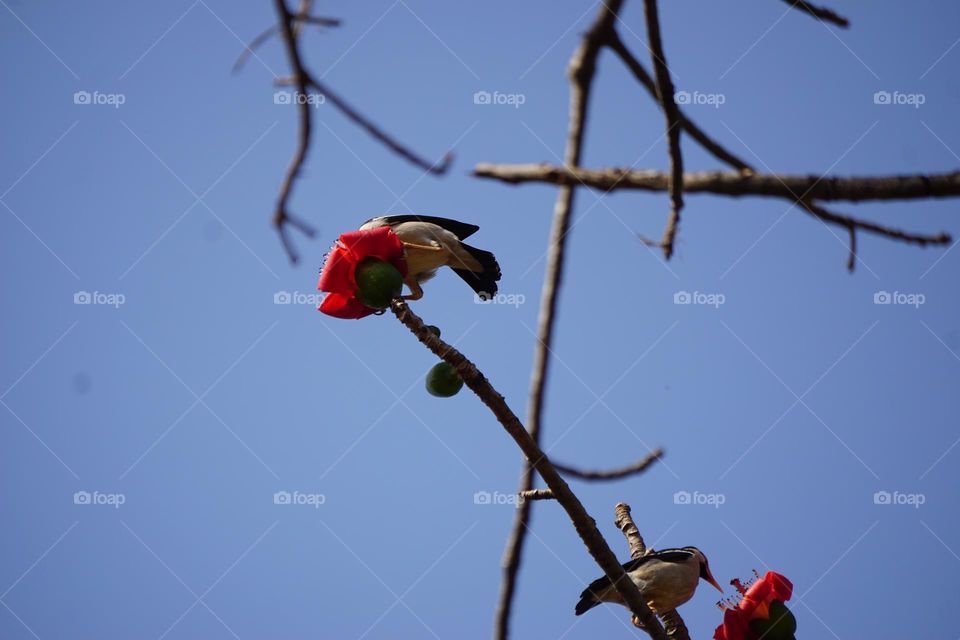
[
  {"x": 734, "y": 627},
  {"x": 337, "y": 273},
  {"x": 344, "y": 306}
]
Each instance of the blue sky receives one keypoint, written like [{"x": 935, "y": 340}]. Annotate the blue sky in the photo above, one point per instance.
[{"x": 182, "y": 398}]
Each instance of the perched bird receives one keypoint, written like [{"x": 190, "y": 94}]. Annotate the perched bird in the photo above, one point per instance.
[
  {"x": 430, "y": 243},
  {"x": 666, "y": 579}
]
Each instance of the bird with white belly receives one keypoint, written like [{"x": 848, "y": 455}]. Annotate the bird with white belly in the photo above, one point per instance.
[
  {"x": 430, "y": 242},
  {"x": 666, "y": 578}
]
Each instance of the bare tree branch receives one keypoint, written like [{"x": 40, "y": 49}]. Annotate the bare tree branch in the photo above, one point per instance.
[
  {"x": 585, "y": 526},
  {"x": 537, "y": 494},
  {"x": 852, "y": 260},
  {"x": 303, "y": 83},
  {"x": 580, "y": 73},
  {"x": 611, "y": 474},
  {"x": 669, "y": 106},
  {"x": 820, "y": 13},
  {"x": 266, "y": 34},
  {"x": 281, "y": 217},
  {"x": 624, "y": 522},
  {"x": 644, "y": 78},
  {"x": 438, "y": 167},
  {"x": 855, "y": 189},
  {"x": 815, "y": 187}
]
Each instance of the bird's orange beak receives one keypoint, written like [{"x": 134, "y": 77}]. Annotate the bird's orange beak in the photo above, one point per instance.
[{"x": 713, "y": 581}]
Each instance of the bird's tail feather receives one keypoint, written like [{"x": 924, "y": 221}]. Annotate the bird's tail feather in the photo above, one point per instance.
[
  {"x": 483, "y": 282},
  {"x": 586, "y": 603}
]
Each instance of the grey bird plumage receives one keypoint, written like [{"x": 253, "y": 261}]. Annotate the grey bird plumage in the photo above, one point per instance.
[
  {"x": 666, "y": 578},
  {"x": 430, "y": 242}
]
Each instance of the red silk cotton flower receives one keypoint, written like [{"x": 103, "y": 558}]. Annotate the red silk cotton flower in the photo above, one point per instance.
[
  {"x": 760, "y": 604},
  {"x": 338, "y": 277}
]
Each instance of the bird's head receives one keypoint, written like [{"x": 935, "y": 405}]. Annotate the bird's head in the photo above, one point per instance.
[{"x": 705, "y": 568}]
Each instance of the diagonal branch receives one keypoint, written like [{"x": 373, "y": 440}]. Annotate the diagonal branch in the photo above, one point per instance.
[
  {"x": 612, "y": 474},
  {"x": 584, "y": 524},
  {"x": 438, "y": 167},
  {"x": 820, "y": 13},
  {"x": 669, "y": 106},
  {"x": 580, "y": 72},
  {"x": 643, "y": 77}
]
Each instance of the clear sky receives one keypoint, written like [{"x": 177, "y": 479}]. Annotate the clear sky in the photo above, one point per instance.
[{"x": 182, "y": 398}]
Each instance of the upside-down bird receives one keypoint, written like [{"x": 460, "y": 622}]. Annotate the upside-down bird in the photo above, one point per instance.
[
  {"x": 430, "y": 243},
  {"x": 666, "y": 579}
]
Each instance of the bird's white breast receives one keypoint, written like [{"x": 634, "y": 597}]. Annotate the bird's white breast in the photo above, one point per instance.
[{"x": 667, "y": 584}]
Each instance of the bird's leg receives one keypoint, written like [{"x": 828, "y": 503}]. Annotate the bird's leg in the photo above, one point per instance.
[
  {"x": 412, "y": 245},
  {"x": 415, "y": 291}
]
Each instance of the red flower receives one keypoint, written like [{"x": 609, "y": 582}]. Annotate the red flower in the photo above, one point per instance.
[
  {"x": 755, "y": 605},
  {"x": 337, "y": 277}
]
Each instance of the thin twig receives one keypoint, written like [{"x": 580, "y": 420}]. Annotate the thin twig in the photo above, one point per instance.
[
  {"x": 537, "y": 494},
  {"x": 688, "y": 125},
  {"x": 303, "y": 82},
  {"x": 852, "y": 260},
  {"x": 267, "y": 33},
  {"x": 580, "y": 73},
  {"x": 611, "y": 474},
  {"x": 820, "y": 13},
  {"x": 669, "y": 106},
  {"x": 585, "y": 526},
  {"x": 280, "y": 216},
  {"x": 624, "y": 522}
]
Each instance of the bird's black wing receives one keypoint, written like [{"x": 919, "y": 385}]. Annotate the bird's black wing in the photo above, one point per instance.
[{"x": 460, "y": 229}]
